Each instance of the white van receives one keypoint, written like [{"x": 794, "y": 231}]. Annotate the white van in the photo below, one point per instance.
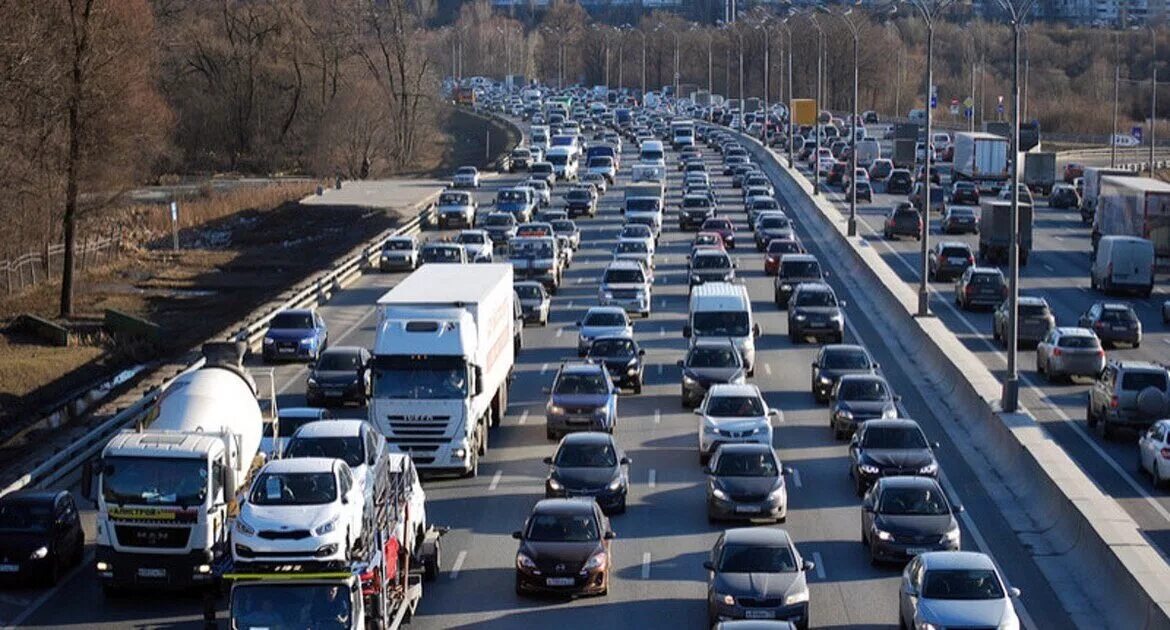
[
  {"x": 724, "y": 310},
  {"x": 564, "y": 162},
  {"x": 1123, "y": 263},
  {"x": 868, "y": 150},
  {"x": 540, "y": 137},
  {"x": 652, "y": 152}
]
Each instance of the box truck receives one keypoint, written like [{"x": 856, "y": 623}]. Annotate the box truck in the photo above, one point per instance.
[
  {"x": 443, "y": 360},
  {"x": 995, "y": 231},
  {"x": 1135, "y": 206},
  {"x": 804, "y": 111},
  {"x": 981, "y": 158},
  {"x": 1092, "y": 178},
  {"x": 166, "y": 490},
  {"x": 1040, "y": 171}
]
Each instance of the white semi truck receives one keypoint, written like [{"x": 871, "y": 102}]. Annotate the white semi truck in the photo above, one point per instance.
[
  {"x": 443, "y": 360},
  {"x": 166, "y": 491},
  {"x": 981, "y": 158}
]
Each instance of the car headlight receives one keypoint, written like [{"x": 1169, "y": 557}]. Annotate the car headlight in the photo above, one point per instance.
[
  {"x": 555, "y": 410},
  {"x": 321, "y": 530},
  {"x": 523, "y": 562},
  {"x": 268, "y": 341},
  {"x": 724, "y": 599},
  {"x": 718, "y": 493},
  {"x": 244, "y": 528},
  {"x": 601, "y": 411},
  {"x": 869, "y": 469},
  {"x": 689, "y": 381},
  {"x": 553, "y": 484},
  {"x": 953, "y": 535},
  {"x": 710, "y": 427},
  {"x": 890, "y": 412},
  {"x": 824, "y": 380},
  {"x": 799, "y": 317},
  {"x": 595, "y": 562},
  {"x": 1010, "y": 624},
  {"x": 836, "y": 317},
  {"x": 38, "y": 553},
  {"x": 777, "y": 494},
  {"x": 786, "y": 287},
  {"x": 797, "y": 597},
  {"x": 311, "y": 382},
  {"x": 923, "y": 625},
  {"x": 928, "y": 469},
  {"x": 882, "y": 534},
  {"x": 308, "y": 341},
  {"x": 616, "y": 483},
  {"x": 607, "y": 295},
  {"x": 845, "y": 413}
]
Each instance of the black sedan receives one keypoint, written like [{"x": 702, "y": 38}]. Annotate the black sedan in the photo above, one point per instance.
[
  {"x": 341, "y": 375},
  {"x": 757, "y": 573},
  {"x": 883, "y": 448},
  {"x": 835, "y": 361},
  {"x": 965, "y": 193},
  {"x": 746, "y": 481},
  {"x": 40, "y": 536},
  {"x": 859, "y": 398},
  {"x": 564, "y": 549},
  {"x": 710, "y": 361},
  {"x": 589, "y": 464},
  {"x": 902, "y": 517},
  {"x": 623, "y": 359}
]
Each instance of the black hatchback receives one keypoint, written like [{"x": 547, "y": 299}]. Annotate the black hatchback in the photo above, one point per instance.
[
  {"x": 900, "y": 182},
  {"x": 40, "y": 535}
]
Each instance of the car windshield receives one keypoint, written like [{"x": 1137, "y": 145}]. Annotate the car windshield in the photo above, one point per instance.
[
  {"x": 893, "y": 438},
  {"x": 720, "y": 323},
  {"x": 581, "y": 383},
  {"x": 633, "y": 247},
  {"x": 815, "y": 298},
  {"x": 466, "y": 170},
  {"x": 733, "y": 464},
  {"x": 696, "y": 202},
  {"x": 604, "y": 318},
  {"x": 472, "y": 238},
  {"x": 564, "y": 226},
  {"x": 801, "y": 269},
  {"x": 717, "y": 225},
  {"x": 706, "y": 239},
  {"x": 635, "y": 231},
  {"x": 846, "y": 360},
  {"x": 285, "y": 321},
  {"x": 154, "y": 480},
  {"x": 289, "y": 604},
  {"x": 756, "y": 559},
  {"x": 760, "y": 206},
  {"x": 1033, "y": 310},
  {"x": 294, "y": 488},
  {"x": 579, "y": 195},
  {"x": 511, "y": 196},
  {"x": 286, "y": 426},
  {"x": 714, "y": 357},
  {"x": 986, "y": 279},
  {"x": 1119, "y": 316},
  {"x": 612, "y": 348},
  {"x": 453, "y": 199},
  {"x": 735, "y": 406},
  {"x": 713, "y": 261},
  {"x": 401, "y": 246},
  {"x": 961, "y": 212},
  {"x": 347, "y": 449},
  {"x": 529, "y": 292},
  {"x": 1079, "y": 341},
  {"x": 1139, "y": 380},
  {"x": 586, "y": 456},
  {"x": 562, "y": 528},
  {"x": 499, "y": 220},
  {"x": 968, "y": 584},
  {"x": 601, "y": 161},
  {"x": 23, "y": 516},
  {"x": 912, "y": 501},
  {"x": 623, "y": 276},
  {"x": 955, "y": 252},
  {"x": 423, "y": 377},
  {"x": 863, "y": 389},
  {"x": 774, "y": 223},
  {"x": 339, "y": 361},
  {"x": 531, "y": 249},
  {"x": 779, "y": 246}
]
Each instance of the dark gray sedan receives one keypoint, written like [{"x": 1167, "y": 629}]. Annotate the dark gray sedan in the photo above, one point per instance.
[
  {"x": 884, "y": 448},
  {"x": 746, "y": 481},
  {"x": 902, "y": 517},
  {"x": 835, "y": 361},
  {"x": 710, "y": 361},
  {"x": 858, "y": 398},
  {"x": 757, "y": 573}
]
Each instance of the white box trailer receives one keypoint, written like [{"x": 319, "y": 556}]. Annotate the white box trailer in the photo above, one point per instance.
[
  {"x": 443, "y": 360},
  {"x": 981, "y": 158},
  {"x": 1135, "y": 206}
]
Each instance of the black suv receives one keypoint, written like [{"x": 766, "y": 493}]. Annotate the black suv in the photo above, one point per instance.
[{"x": 900, "y": 182}]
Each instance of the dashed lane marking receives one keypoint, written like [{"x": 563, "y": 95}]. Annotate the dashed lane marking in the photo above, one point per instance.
[
  {"x": 455, "y": 568},
  {"x": 495, "y": 480}
]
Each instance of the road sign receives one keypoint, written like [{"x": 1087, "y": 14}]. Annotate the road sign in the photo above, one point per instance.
[
  {"x": 1136, "y": 132},
  {"x": 954, "y": 109},
  {"x": 968, "y": 112},
  {"x": 174, "y": 211},
  {"x": 969, "y": 103}
]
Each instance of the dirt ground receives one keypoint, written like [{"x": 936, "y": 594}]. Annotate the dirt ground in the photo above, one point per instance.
[{"x": 223, "y": 270}]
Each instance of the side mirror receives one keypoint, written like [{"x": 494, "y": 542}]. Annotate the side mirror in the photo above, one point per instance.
[
  {"x": 311, "y": 365},
  {"x": 610, "y": 535},
  {"x": 774, "y": 412},
  {"x": 641, "y": 352},
  {"x": 959, "y": 509},
  {"x": 897, "y": 398},
  {"x": 843, "y": 303},
  {"x": 877, "y": 366},
  {"x": 625, "y": 461},
  {"x": 808, "y": 565},
  {"x": 518, "y": 535},
  {"x": 910, "y": 590},
  {"x": 546, "y": 390},
  {"x": 686, "y": 331},
  {"x": 577, "y": 324},
  {"x": 788, "y": 470},
  {"x": 1013, "y": 592},
  {"x": 680, "y": 363},
  {"x": 756, "y": 331},
  {"x": 547, "y": 460},
  {"x": 708, "y": 565},
  {"x": 813, "y": 364}
]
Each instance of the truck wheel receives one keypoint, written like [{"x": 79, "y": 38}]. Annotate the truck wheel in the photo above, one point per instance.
[{"x": 474, "y": 471}]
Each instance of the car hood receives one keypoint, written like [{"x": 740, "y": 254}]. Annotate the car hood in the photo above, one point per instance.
[
  {"x": 571, "y": 554},
  {"x": 738, "y": 424},
  {"x": 713, "y": 374},
  {"x": 289, "y": 334},
  {"x": 475, "y": 249},
  {"x": 963, "y": 613},
  {"x": 795, "y": 280},
  {"x": 531, "y": 302},
  {"x": 917, "y": 524},
  {"x": 603, "y": 331},
  {"x": 748, "y": 485},
  {"x": 897, "y": 458},
  {"x": 455, "y": 207},
  {"x": 333, "y": 377},
  {"x": 836, "y": 373},
  {"x": 279, "y": 517},
  {"x": 759, "y": 585},
  {"x": 865, "y": 406},
  {"x": 580, "y": 400},
  {"x": 585, "y": 478},
  {"x": 826, "y": 311}
]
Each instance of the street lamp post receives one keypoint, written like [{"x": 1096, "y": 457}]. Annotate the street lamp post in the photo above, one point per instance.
[
  {"x": 1116, "y": 97},
  {"x": 1153, "y": 92},
  {"x": 820, "y": 83},
  {"x": 930, "y": 9},
  {"x": 1017, "y": 11},
  {"x": 788, "y": 106},
  {"x": 848, "y": 18}
]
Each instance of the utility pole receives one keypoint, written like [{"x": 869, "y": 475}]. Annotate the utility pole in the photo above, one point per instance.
[
  {"x": 820, "y": 83},
  {"x": 1153, "y": 93}
]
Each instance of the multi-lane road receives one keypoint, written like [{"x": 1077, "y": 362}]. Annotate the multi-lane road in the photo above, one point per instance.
[{"x": 664, "y": 537}]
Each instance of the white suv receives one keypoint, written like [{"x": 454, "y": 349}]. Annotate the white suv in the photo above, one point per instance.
[
  {"x": 733, "y": 414},
  {"x": 625, "y": 283}
]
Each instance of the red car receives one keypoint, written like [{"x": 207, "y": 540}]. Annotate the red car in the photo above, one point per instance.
[
  {"x": 710, "y": 239},
  {"x": 724, "y": 227},
  {"x": 1072, "y": 171},
  {"x": 777, "y": 247}
]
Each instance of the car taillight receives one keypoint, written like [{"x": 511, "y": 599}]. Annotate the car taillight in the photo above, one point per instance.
[
  {"x": 1165, "y": 452},
  {"x": 771, "y": 259},
  {"x": 1099, "y": 325},
  {"x": 1101, "y": 352},
  {"x": 969, "y": 290},
  {"x": 1056, "y": 352},
  {"x": 970, "y": 260},
  {"x": 1114, "y": 402}
]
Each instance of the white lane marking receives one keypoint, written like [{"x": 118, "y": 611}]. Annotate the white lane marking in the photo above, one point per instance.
[
  {"x": 19, "y": 619},
  {"x": 1058, "y": 238},
  {"x": 543, "y": 368},
  {"x": 560, "y": 331},
  {"x": 455, "y": 568},
  {"x": 662, "y": 302},
  {"x": 523, "y": 417},
  {"x": 646, "y": 566},
  {"x": 652, "y": 478},
  {"x": 495, "y": 480},
  {"x": 796, "y": 478},
  {"x": 660, "y": 365},
  {"x": 1048, "y": 267},
  {"x": 662, "y": 331},
  {"x": 657, "y": 416},
  {"x": 820, "y": 568},
  {"x": 768, "y": 369},
  {"x": 570, "y": 304}
]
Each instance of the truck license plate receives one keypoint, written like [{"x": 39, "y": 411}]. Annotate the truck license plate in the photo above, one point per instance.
[
  {"x": 559, "y": 581},
  {"x": 759, "y": 614},
  {"x": 152, "y": 573},
  {"x": 9, "y": 568}
]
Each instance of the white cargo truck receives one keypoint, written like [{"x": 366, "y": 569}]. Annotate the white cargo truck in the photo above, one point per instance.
[
  {"x": 165, "y": 491},
  {"x": 981, "y": 158},
  {"x": 1138, "y": 207},
  {"x": 443, "y": 360}
]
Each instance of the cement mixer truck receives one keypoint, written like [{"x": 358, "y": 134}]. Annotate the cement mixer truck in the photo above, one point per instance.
[{"x": 166, "y": 490}]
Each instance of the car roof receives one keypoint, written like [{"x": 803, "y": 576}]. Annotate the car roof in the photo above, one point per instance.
[
  {"x": 1074, "y": 331},
  {"x": 1116, "y": 306},
  {"x": 302, "y": 412},
  {"x": 588, "y": 437},
  {"x": 987, "y": 270},
  {"x": 745, "y": 447},
  {"x": 908, "y": 481},
  {"x": 342, "y": 350},
  {"x": 733, "y": 389},
  {"x": 605, "y": 309},
  {"x": 945, "y": 244},
  {"x": 798, "y": 258},
  {"x": 757, "y": 536},
  {"x": 295, "y": 311},
  {"x": 300, "y": 464},
  {"x": 579, "y": 505},
  {"x": 814, "y": 286},
  {"x": 890, "y": 423},
  {"x": 580, "y": 367},
  {"x": 862, "y": 377},
  {"x": 623, "y": 264},
  {"x": 331, "y": 428},
  {"x": 956, "y": 560},
  {"x": 1032, "y": 300}
]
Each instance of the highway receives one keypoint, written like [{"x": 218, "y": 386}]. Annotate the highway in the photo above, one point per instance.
[
  {"x": 1058, "y": 271},
  {"x": 664, "y": 537}
]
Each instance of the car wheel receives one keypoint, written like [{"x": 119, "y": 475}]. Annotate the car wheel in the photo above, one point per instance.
[
  {"x": 638, "y": 386},
  {"x": 621, "y": 507},
  {"x": 550, "y": 434},
  {"x": 1107, "y": 431}
]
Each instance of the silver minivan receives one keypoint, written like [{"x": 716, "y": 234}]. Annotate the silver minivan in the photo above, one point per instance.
[{"x": 1123, "y": 263}]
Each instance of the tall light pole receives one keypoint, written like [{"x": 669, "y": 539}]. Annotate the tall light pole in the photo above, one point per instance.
[
  {"x": 676, "y": 95},
  {"x": 1153, "y": 92},
  {"x": 1116, "y": 98},
  {"x": 849, "y": 18},
  {"x": 763, "y": 26},
  {"x": 788, "y": 105},
  {"x": 930, "y": 10},
  {"x": 1017, "y": 11},
  {"x": 820, "y": 83}
]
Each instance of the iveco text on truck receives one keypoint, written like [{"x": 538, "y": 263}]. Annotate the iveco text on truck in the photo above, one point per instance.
[{"x": 443, "y": 359}]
